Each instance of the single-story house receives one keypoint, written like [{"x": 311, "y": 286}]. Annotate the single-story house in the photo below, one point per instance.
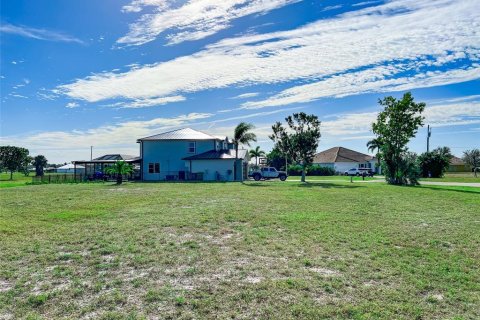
[
  {"x": 457, "y": 165},
  {"x": 70, "y": 168},
  {"x": 342, "y": 159},
  {"x": 188, "y": 154}
]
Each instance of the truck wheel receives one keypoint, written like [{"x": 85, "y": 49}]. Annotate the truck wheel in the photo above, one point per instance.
[
  {"x": 283, "y": 178},
  {"x": 256, "y": 177}
]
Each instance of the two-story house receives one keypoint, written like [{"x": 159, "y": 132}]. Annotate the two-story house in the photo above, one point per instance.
[{"x": 187, "y": 154}]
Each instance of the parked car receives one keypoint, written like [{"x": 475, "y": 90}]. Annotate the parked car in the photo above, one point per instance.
[
  {"x": 352, "y": 172},
  {"x": 267, "y": 173},
  {"x": 359, "y": 172}
]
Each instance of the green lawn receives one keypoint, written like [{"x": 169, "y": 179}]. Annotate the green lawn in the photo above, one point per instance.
[
  {"x": 243, "y": 251},
  {"x": 456, "y": 177},
  {"x": 19, "y": 179}
]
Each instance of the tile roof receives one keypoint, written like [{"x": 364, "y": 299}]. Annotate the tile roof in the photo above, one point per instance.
[
  {"x": 180, "y": 134},
  {"x": 340, "y": 154},
  {"x": 218, "y": 155}
]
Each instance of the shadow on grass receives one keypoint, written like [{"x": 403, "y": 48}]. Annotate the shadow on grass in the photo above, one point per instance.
[
  {"x": 329, "y": 185},
  {"x": 473, "y": 190},
  {"x": 306, "y": 185}
]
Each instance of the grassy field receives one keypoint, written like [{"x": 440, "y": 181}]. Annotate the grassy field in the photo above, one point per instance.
[
  {"x": 19, "y": 179},
  {"x": 456, "y": 177},
  {"x": 243, "y": 251}
]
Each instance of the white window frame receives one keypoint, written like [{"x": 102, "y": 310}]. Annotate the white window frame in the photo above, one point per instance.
[{"x": 194, "y": 147}]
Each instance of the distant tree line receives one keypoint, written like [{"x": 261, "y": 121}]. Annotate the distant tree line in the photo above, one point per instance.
[{"x": 13, "y": 159}]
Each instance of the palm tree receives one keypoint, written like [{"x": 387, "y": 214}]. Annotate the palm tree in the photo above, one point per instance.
[
  {"x": 256, "y": 153},
  {"x": 375, "y": 144},
  {"x": 242, "y": 135},
  {"x": 39, "y": 162},
  {"x": 119, "y": 168}
]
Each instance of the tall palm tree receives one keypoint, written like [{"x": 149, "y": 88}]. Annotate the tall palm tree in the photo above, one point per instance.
[
  {"x": 242, "y": 135},
  {"x": 39, "y": 162},
  {"x": 375, "y": 144},
  {"x": 256, "y": 153},
  {"x": 119, "y": 168}
]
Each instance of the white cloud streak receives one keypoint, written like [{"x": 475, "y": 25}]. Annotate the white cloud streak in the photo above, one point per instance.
[
  {"x": 39, "y": 34},
  {"x": 65, "y": 145},
  {"x": 193, "y": 20},
  {"x": 149, "y": 102},
  {"x": 396, "y": 46},
  {"x": 246, "y": 95},
  {"x": 442, "y": 115}
]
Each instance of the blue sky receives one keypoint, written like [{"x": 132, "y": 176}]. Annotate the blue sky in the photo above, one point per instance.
[{"x": 104, "y": 73}]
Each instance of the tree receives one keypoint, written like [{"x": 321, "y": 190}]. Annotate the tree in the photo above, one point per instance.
[
  {"x": 256, "y": 153},
  {"x": 26, "y": 162},
  {"x": 13, "y": 158},
  {"x": 395, "y": 126},
  {"x": 242, "y": 135},
  {"x": 435, "y": 163},
  {"x": 472, "y": 158},
  {"x": 119, "y": 168},
  {"x": 277, "y": 159},
  {"x": 39, "y": 162},
  {"x": 300, "y": 140},
  {"x": 375, "y": 144}
]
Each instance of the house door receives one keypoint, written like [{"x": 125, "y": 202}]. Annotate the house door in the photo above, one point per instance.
[{"x": 181, "y": 175}]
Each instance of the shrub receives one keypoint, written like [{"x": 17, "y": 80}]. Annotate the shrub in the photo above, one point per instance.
[
  {"x": 434, "y": 164},
  {"x": 312, "y": 170}
]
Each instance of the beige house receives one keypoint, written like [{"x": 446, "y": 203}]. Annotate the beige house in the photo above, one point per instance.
[{"x": 342, "y": 159}]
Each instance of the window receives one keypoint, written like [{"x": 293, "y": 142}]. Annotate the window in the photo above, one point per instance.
[
  {"x": 192, "y": 147},
  {"x": 154, "y": 167}
]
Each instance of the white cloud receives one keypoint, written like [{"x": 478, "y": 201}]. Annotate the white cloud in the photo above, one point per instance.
[
  {"x": 399, "y": 45},
  {"x": 72, "y": 105},
  {"x": 246, "y": 95},
  {"x": 39, "y": 34},
  {"x": 193, "y": 20},
  {"x": 448, "y": 114},
  {"x": 367, "y": 81},
  {"x": 328, "y": 8},
  {"x": 150, "y": 102},
  {"x": 68, "y": 145}
]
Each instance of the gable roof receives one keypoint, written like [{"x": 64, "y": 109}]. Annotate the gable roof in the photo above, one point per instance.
[
  {"x": 180, "y": 134},
  {"x": 218, "y": 155},
  {"x": 340, "y": 154}
]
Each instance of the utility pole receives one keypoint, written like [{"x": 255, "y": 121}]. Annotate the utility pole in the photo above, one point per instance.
[
  {"x": 429, "y": 133},
  {"x": 91, "y": 153}
]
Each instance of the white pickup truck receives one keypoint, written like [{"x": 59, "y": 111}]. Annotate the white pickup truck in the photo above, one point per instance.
[{"x": 268, "y": 173}]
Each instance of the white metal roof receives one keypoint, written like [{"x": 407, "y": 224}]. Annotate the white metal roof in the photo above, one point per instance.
[
  {"x": 180, "y": 134},
  {"x": 70, "y": 166}
]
